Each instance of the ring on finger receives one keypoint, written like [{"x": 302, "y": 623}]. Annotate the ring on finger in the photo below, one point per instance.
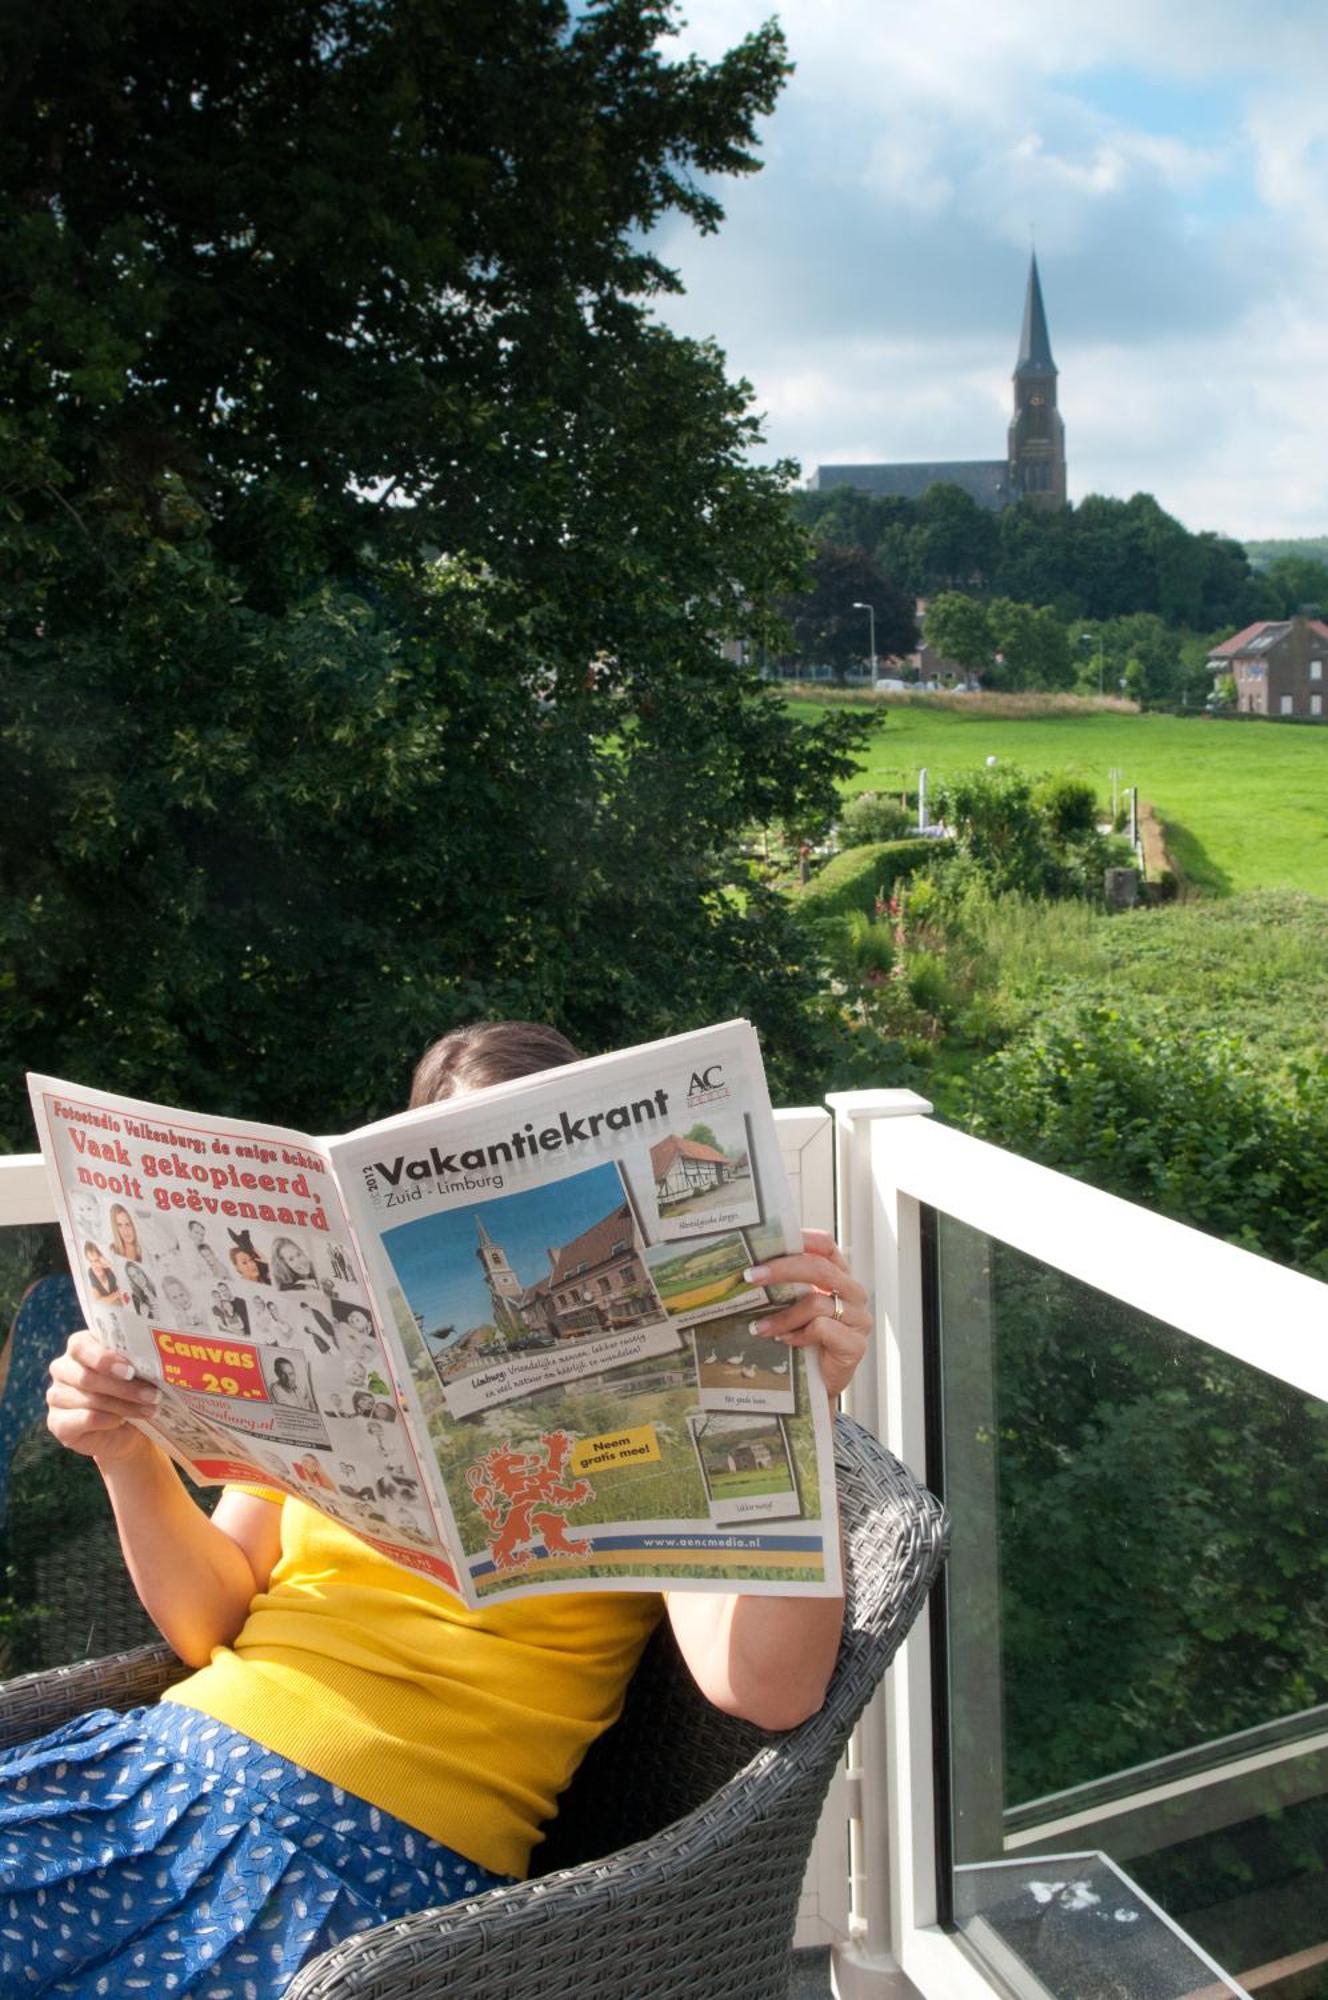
[{"x": 839, "y": 1305}]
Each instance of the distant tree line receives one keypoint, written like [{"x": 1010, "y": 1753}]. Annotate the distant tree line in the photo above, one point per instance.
[
  {"x": 1101, "y": 559},
  {"x": 1110, "y": 596}
]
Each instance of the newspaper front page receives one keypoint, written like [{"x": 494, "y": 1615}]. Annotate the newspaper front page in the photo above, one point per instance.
[{"x": 506, "y": 1340}]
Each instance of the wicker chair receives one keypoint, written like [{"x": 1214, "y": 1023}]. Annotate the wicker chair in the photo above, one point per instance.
[
  {"x": 57, "y": 1536},
  {"x": 675, "y": 1864}
]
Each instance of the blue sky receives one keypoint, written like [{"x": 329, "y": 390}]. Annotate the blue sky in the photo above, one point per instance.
[
  {"x": 1173, "y": 163},
  {"x": 435, "y": 1257}
]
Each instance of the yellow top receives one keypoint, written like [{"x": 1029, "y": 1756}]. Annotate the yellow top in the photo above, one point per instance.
[{"x": 465, "y": 1724}]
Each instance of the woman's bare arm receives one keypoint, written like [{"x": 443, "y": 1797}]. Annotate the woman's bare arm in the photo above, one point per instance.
[
  {"x": 195, "y": 1576},
  {"x": 769, "y": 1659}
]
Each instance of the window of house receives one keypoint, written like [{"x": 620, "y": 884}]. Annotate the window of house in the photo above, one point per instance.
[
  {"x": 1286, "y": 704},
  {"x": 1316, "y": 670},
  {"x": 1316, "y": 704}
]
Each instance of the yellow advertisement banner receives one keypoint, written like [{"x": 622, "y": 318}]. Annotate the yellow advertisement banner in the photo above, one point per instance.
[{"x": 597, "y": 1454}]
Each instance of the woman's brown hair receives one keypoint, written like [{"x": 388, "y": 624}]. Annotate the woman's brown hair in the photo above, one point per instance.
[{"x": 487, "y": 1052}]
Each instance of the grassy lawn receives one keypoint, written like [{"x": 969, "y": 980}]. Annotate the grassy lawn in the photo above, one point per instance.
[{"x": 1245, "y": 804}]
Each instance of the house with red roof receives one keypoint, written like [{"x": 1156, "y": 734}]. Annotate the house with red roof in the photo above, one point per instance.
[
  {"x": 1280, "y": 666},
  {"x": 684, "y": 1166}
]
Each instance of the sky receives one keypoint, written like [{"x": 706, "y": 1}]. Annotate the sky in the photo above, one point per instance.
[{"x": 1171, "y": 163}]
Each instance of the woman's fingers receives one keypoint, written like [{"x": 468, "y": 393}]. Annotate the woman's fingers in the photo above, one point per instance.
[
  {"x": 93, "y": 1390},
  {"x": 830, "y": 1312},
  {"x": 807, "y": 1267},
  {"x": 823, "y": 1244}
]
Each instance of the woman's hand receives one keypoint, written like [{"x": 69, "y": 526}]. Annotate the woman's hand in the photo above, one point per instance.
[
  {"x": 94, "y": 1392},
  {"x": 838, "y": 1331}
]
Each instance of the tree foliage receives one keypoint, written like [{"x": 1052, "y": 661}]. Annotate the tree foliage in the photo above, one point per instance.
[
  {"x": 828, "y": 624},
  {"x": 1300, "y": 583},
  {"x": 368, "y": 549},
  {"x": 958, "y": 628},
  {"x": 1102, "y": 559},
  {"x": 1032, "y": 647}
]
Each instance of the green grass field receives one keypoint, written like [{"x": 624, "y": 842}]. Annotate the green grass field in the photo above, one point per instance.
[{"x": 1245, "y": 804}]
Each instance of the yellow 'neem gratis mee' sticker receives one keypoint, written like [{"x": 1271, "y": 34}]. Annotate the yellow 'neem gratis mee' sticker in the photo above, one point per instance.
[{"x": 597, "y": 1454}]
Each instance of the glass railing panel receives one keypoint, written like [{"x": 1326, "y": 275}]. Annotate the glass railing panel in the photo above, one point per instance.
[
  {"x": 64, "y": 1591},
  {"x": 1137, "y": 1630}
]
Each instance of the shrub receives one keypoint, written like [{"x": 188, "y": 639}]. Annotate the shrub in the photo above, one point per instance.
[
  {"x": 869, "y": 944},
  {"x": 855, "y": 879},
  {"x": 873, "y": 816},
  {"x": 1027, "y": 839},
  {"x": 1068, "y": 805},
  {"x": 998, "y": 826},
  {"x": 1177, "y": 1121},
  {"x": 930, "y": 986}
]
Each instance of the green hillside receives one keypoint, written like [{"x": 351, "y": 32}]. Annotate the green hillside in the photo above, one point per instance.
[
  {"x": 1262, "y": 553},
  {"x": 1245, "y": 804}
]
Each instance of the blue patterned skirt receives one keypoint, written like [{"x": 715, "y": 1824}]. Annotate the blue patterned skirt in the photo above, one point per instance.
[{"x": 160, "y": 1852}]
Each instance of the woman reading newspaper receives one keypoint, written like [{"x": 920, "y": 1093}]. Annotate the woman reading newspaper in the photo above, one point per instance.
[{"x": 355, "y": 1744}]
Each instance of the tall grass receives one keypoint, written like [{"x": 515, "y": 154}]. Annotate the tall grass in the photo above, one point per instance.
[
  {"x": 1008, "y": 707},
  {"x": 1255, "y": 964},
  {"x": 1023, "y": 940}
]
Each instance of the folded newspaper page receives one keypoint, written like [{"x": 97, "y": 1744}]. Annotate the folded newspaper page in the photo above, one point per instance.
[{"x": 506, "y": 1339}]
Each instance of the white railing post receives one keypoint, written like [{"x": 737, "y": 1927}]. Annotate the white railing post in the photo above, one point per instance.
[
  {"x": 879, "y": 1229},
  {"x": 806, "y": 1143},
  {"x": 25, "y": 1192}
]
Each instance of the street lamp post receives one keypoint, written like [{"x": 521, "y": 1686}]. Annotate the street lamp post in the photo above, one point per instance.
[{"x": 870, "y": 610}]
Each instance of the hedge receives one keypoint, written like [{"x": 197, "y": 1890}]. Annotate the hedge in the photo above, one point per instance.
[{"x": 854, "y": 879}]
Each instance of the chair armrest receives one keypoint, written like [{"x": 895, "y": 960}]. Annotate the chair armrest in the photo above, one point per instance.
[{"x": 34, "y": 1703}]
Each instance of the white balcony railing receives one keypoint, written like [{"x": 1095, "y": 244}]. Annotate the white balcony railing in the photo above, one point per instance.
[{"x": 873, "y": 1166}]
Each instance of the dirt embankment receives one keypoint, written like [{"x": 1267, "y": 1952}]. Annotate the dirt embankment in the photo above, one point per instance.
[{"x": 1152, "y": 834}]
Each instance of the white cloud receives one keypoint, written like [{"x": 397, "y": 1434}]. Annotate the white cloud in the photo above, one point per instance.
[{"x": 1175, "y": 163}]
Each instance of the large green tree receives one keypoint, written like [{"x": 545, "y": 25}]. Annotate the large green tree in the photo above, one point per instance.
[
  {"x": 827, "y": 619},
  {"x": 957, "y": 627},
  {"x": 368, "y": 548},
  {"x": 1033, "y": 647}
]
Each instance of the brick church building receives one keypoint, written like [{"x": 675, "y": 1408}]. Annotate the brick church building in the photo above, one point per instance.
[{"x": 1033, "y": 468}]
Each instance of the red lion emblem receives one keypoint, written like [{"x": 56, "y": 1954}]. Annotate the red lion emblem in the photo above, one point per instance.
[{"x": 522, "y": 1496}]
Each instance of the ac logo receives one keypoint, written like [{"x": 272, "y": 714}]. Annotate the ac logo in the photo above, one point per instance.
[{"x": 707, "y": 1085}]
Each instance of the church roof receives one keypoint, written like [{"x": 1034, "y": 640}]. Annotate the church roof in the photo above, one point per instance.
[
  {"x": 986, "y": 480},
  {"x": 1034, "y": 341}
]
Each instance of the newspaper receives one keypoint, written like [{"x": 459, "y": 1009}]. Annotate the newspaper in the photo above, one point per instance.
[{"x": 505, "y": 1339}]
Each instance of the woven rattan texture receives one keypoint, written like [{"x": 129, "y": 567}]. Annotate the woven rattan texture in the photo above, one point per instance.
[{"x": 680, "y": 1849}]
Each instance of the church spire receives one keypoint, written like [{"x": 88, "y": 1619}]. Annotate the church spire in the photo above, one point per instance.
[
  {"x": 1037, "y": 434},
  {"x": 1034, "y": 343}
]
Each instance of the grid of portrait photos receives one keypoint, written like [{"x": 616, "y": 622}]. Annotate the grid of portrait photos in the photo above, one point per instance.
[{"x": 305, "y": 1399}]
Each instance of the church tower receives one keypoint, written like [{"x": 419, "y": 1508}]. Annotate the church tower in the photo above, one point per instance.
[
  {"x": 504, "y": 1285},
  {"x": 1037, "y": 434}
]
